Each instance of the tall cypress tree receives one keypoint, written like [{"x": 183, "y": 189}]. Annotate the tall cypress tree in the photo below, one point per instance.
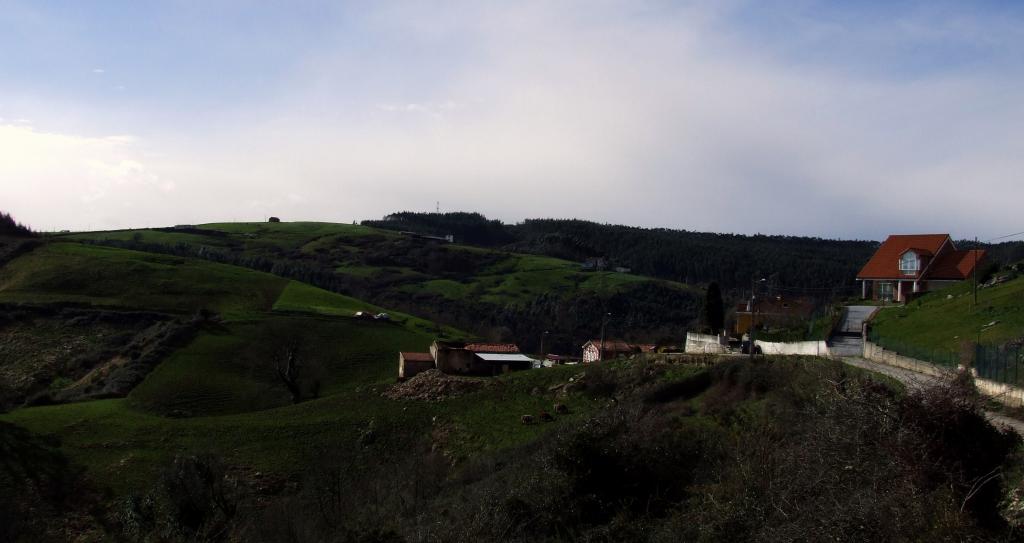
[{"x": 714, "y": 309}]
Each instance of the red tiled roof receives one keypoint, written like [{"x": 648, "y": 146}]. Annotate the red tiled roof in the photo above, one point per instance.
[
  {"x": 957, "y": 265},
  {"x": 885, "y": 264},
  {"x": 417, "y": 357},
  {"x": 493, "y": 348}
]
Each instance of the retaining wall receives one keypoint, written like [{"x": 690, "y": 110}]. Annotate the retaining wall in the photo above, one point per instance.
[
  {"x": 705, "y": 344},
  {"x": 806, "y": 348},
  {"x": 1001, "y": 392}
]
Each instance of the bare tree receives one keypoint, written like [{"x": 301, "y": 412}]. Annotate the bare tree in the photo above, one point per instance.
[{"x": 288, "y": 367}]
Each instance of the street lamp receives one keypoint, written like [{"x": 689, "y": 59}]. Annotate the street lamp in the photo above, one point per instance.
[
  {"x": 542, "y": 336},
  {"x": 753, "y": 313}
]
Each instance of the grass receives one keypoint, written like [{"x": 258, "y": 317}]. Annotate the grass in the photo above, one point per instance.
[
  {"x": 944, "y": 319},
  {"x": 231, "y": 369},
  {"x": 102, "y": 276},
  {"x": 123, "y": 446},
  {"x": 499, "y": 278}
]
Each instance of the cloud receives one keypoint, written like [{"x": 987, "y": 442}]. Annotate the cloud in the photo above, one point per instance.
[
  {"x": 98, "y": 70},
  {"x": 806, "y": 118},
  {"x": 55, "y": 178}
]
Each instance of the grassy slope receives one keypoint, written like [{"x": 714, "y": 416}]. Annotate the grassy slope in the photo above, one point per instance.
[
  {"x": 936, "y": 321},
  {"x": 71, "y": 272},
  {"x": 123, "y": 447},
  {"x": 224, "y": 376},
  {"x": 515, "y": 278}
]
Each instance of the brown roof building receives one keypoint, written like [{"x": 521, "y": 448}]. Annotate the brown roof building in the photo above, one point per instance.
[
  {"x": 773, "y": 311},
  {"x": 909, "y": 265}
]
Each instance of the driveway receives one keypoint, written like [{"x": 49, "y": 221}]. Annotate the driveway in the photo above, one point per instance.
[{"x": 847, "y": 340}]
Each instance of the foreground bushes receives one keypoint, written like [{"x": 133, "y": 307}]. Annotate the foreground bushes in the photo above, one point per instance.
[{"x": 773, "y": 451}]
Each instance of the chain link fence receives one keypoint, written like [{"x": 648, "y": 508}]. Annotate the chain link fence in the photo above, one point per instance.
[
  {"x": 1000, "y": 363},
  {"x": 937, "y": 356}
]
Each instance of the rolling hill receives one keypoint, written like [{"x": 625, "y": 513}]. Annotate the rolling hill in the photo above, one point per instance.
[{"x": 495, "y": 294}]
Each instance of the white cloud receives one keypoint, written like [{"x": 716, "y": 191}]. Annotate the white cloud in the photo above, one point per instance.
[
  {"x": 98, "y": 70},
  {"x": 639, "y": 113},
  {"x": 50, "y": 177}
]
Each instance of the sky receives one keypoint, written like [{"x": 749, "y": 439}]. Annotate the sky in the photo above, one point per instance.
[{"x": 829, "y": 119}]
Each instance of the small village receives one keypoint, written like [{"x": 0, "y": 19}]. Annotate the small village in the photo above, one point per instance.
[{"x": 903, "y": 268}]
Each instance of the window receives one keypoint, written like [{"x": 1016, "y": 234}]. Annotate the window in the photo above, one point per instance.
[
  {"x": 885, "y": 291},
  {"x": 909, "y": 263}
]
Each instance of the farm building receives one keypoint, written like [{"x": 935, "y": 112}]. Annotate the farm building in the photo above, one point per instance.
[
  {"x": 478, "y": 358},
  {"x": 776, "y": 311},
  {"x": 612, "y": 348},
  {"x": 909, "y": 265},
  {"x": 409, "y": 364}
]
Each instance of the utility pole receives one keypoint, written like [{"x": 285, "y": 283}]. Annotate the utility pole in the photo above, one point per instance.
[
  {"x": 753, "y": 313},
  {"x": 542, "y": 336},
  {"x": 975, "y": 272},
  {"x": 604, "y": 321}
]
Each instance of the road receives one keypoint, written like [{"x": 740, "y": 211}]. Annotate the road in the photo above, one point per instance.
[{"x": 851, "y": 349}]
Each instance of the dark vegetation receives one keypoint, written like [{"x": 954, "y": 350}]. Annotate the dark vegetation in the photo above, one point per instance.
[
  {"x": 678, "y": 255},
  {"x": 54, "y": 353},
  {"x": 558, "y": 299},
  {"x": 713, "y": 312},
  {"x": 817, "y": 267},
  {"x": 13, "y": 228},
  {"x": 777, "y": 450},
  {"x": 16, "y": 239},
  {"x": 43, "y": 497}
]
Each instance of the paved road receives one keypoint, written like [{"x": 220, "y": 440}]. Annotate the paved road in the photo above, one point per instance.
[
  {"x": 851, "y": 349},
  {"x": 914, "y": 380}
]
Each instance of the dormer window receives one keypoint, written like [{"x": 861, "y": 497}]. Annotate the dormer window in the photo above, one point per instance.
[{"x": 910, "y": 264}]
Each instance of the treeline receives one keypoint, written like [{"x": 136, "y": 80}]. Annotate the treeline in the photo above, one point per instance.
[
  {"x": 10, "y": 227},
  {"x": 808, "y": 265},
  {"x": 819, "y": 267}
]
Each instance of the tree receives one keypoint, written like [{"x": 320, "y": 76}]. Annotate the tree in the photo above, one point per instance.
[
  {"x": 10, "y": 227},
  {"x": 286, "y": 363},
  {"x": 714, "y": 309}
]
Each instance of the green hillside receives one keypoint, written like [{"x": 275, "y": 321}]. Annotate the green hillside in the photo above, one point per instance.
[
  {"x": 945, "y": 319},
  {"x": 491, "y": 293}
]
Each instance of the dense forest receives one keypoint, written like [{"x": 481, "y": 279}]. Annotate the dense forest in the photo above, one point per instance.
[{"x": 799, "y": 265}]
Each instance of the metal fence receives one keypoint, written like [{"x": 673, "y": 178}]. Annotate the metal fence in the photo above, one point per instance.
[
  {"x": 1000, "y": 363},
  {"x": 937, "y": 356}
]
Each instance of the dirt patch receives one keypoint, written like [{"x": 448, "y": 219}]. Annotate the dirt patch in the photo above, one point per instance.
[{"x": 434, "y": 386}]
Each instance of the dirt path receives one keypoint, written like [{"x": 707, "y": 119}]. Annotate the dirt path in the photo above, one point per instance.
[{"x": 915, "y": 380}]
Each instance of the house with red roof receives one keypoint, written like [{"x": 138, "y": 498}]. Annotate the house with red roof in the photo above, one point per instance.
[{"x": 905, "y": 266}]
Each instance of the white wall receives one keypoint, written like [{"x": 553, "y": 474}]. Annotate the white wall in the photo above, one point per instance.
[
  {"x": 806, "y": 348},
  {"x": 705, "y": 344}
]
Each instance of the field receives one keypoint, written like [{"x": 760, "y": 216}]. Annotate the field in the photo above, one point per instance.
[
  {"x": 945, "y": 319},
  {"x": 102, "y": 276},
  {"x": 489, "y": 293}
]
